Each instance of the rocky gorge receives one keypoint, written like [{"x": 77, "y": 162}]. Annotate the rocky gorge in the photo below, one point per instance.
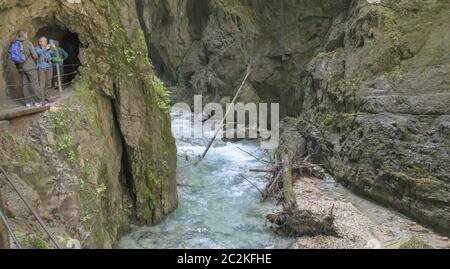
[
  {"x": 363, "y": 88},
  {"x": 364, "y": 84}
]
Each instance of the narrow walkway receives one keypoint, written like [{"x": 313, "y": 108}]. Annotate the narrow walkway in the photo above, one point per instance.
[{"x": 11, "y": 109}]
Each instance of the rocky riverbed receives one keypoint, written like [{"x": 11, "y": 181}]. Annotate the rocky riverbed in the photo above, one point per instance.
[{"x": 360, "y": 222}]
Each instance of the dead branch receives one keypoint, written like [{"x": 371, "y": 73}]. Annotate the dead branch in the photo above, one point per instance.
[
  {"x": 253, "y": 184},
  {"x": 256, "y": 158},
  {"x": 262, "y": 170},
  {"x": 273, "y": 188}
]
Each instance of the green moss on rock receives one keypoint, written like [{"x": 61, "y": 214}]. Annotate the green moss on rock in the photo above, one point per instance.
[
  {"x": 409, "y": 243},
  {"x": 30, "y": 240}
]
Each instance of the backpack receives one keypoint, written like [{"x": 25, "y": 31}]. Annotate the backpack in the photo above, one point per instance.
[{"x": 17, "y": 52}]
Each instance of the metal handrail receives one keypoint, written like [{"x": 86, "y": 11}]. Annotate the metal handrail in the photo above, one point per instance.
[
  {"x": 33, "y": 211},
  {"x": 4, "y": 219}
]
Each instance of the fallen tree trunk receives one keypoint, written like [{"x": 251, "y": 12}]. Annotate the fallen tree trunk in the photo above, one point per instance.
[
  {"x": 238, "y": 93},
  {"x": 293, "y": 221},
  {"x": 289, "y": 199}
]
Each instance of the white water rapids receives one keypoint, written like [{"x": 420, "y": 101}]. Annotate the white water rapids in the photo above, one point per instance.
[{"x": 218, "y": 208}]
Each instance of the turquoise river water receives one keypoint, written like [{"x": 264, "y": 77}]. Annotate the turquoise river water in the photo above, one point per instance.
[{"x": 218, "y": 208}]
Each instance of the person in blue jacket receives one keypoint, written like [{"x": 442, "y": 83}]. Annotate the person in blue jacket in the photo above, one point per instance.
[
  {"x": 60, "y": 55},
  {"x": 45, "y": 68}
]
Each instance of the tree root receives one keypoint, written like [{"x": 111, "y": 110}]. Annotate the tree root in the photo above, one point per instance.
[
  {"x": 303, "y": 223},
  {"x": 293, "y": 221}
]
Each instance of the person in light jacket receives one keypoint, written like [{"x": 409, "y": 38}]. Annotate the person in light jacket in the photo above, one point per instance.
[{"x": 45, "y": 68}]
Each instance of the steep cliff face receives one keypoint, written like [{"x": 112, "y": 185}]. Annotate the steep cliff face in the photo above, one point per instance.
[
  {"x": 203, "y": 47},
  {"x": 133, "y": 154},
  {"x": 366, "y": 81},
  {"x": 377, "y": 106}
]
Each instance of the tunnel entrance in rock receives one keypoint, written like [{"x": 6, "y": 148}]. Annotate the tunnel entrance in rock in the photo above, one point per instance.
[{"x": 69, "y": 42}]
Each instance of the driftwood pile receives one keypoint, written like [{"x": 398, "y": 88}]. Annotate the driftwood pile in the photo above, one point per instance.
[
  {"x": 291, "y": 220},
  {"x": 296, "y": 222}
]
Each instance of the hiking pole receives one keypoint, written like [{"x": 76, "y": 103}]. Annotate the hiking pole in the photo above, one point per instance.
[{"x": 33, "y": 211}]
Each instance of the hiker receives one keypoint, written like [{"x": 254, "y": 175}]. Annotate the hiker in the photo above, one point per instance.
[
  {"x": 45, "y": 68},
  {"x": 58, "y": 62},
  {"x": 24, "y": 57}
]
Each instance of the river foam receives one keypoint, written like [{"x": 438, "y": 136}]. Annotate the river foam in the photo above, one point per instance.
[{"x": 218, "y": 207}]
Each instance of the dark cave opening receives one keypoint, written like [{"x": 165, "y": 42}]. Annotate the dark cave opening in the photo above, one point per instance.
[{"x": 69, "y": 42}]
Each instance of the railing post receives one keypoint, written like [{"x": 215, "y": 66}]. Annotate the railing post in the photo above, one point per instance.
[{"x": 58, "y": 73}]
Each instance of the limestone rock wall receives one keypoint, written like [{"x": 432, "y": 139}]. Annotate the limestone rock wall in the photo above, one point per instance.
[{"x": 377, "y": 106}]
